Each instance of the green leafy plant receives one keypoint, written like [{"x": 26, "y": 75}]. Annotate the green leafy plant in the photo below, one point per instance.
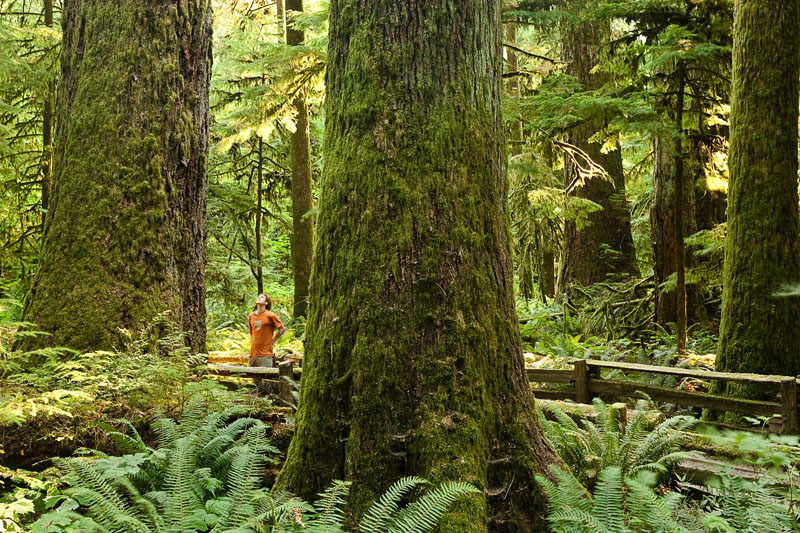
[
  {"x": 635, "y": 446},
  {"x": 387, "y": 515},
  {"x": 203, "y": 475},
  {"x": 619, "y": 504},
  {"x": 206, "y": 475},
  {"x": 740, "y": 506}
]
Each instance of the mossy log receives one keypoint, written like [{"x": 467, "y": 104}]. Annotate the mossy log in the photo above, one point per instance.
[
  {"x": 413, "y": 360},
  {"x": 124, "y": 238}
]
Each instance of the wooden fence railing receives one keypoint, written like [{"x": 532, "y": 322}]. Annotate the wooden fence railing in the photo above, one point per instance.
[
  {"x": 587, "y": 382},
  {"x": 584, "y": 382}
]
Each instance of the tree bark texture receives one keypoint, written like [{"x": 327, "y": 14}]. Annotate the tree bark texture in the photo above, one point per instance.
[
  {"x": 125, "y": 235},
  {"x": 759, "y": 332},
  {"x": 302, "y": 200},
  {"x": 47, "y": 126},
  {"x": 605, "y": 246},
  {"x": 662, "y": 233},
  {"x": 413, "y": 357}
]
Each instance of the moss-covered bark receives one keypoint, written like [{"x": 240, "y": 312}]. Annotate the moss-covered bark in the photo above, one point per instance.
[
  {"x": 759, "y": 332},
  {"x": 125, "y": 236},
  {"x": 302, "y": 200},
  {"x": 413, "y": 359},
  {"x": 605, "y": 246}
]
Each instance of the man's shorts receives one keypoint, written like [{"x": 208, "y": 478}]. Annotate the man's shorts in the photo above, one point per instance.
[{"x": 263, "y": 361}]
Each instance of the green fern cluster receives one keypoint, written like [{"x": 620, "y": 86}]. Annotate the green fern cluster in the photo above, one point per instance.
[
  {"x": 387, "y": 515},
  {"x": 739, "y": 506},
  {"x": 619, "y": 505},
  {"x": 206, "y": 476},
  {"x": 590, "y": 447}
]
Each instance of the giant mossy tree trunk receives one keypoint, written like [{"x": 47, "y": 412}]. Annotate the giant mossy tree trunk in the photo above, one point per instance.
[
  {"x": 605, "y": 246},
  {"x": 413, "y": 360},
  {"x": 125, "y": 233},
  {"x": 759, "y": 331},
  {"x": 302, "y": 201}
]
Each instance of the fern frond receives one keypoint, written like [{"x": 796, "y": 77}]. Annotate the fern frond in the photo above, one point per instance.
[
  {"x": 424, "y": 514},
  {"x": 380, "y": 513},
  {"x": 581, "y": 522},
  {"x": 329, "y": 507},
  {"x": 566, "y": 493},
  {"x": 146, "y": 507},
  {"x": 243, "y": 480},
  {"x": 183, "y": 498},
  {"x": 125, "y": 443},
  {"x": 607, "y": 507}
]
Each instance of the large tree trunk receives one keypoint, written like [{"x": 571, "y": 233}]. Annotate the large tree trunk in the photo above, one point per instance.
[
  {"x": 413, "y": 357},
  {"x": 759, "y": 332},
  {"x": 605, "y": 246},
  {"x": 302, "y": 201},
  {"x": 125, "y": 237}
]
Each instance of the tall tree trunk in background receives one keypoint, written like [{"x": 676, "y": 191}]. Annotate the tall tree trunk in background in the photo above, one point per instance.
[
  {"x": 125, "y": 237},
  {"x": 677, "y": 213},
  {"x": 606, "y": 245},
  {"x": 662, "y": 234},
  {"x": 47, "y": 127},
  {"x": 759, "y": 332},
  {"x": 413, "y": 356},
  {"x": 280, "y": 10},
  {"x": 302, "y": 201},
  {"x": 259, "y": 208}
]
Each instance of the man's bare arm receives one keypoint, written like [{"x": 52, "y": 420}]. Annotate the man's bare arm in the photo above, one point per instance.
[{"x": 278, "y": 335}]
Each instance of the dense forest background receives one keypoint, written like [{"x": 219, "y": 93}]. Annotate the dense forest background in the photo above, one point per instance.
[
  {"x": 605, "y": 179},
  {"x": 590, "y": 205}
]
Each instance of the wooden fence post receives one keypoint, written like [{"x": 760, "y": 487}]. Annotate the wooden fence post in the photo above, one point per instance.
[
  {"x": 581, "y": 381},
  {"x": 789, "y": 406},
  {"x": 286, "y": 381}
]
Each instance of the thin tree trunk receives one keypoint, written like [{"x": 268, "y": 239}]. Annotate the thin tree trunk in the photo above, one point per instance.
[
  {"x": 680, "y": 248},
  {"x": 302, "y": 201},
  {"x": 280, "y": 8},
  {"x": 413, "y": 356},
  {"x": 259, "y": 207},
  {"x": 548, "y": 274},
  {"x": 47, "y": 127},
  {"x": 759, "y": 331},
  {"x": 125, "y": 238}
]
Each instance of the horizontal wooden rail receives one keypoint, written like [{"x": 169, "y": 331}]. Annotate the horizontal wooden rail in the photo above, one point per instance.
[
  {"x": 546, "y": 375},
  {"x": 686, "y": 372},
  {"x": 587, "y": 383},
  {"x": 617, "y": 388},
  {"x": 250, "y": 371}
]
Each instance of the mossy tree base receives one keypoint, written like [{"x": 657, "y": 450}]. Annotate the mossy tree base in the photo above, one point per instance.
[
  {"x": 413, "y": 359},
  {"x": 124, "y": 237}
]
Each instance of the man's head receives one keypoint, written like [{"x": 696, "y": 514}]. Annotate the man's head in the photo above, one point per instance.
[{"x": 264, "y": 300}]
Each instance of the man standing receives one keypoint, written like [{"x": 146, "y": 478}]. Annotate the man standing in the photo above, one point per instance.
[{"x": 263, "y": 324}]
